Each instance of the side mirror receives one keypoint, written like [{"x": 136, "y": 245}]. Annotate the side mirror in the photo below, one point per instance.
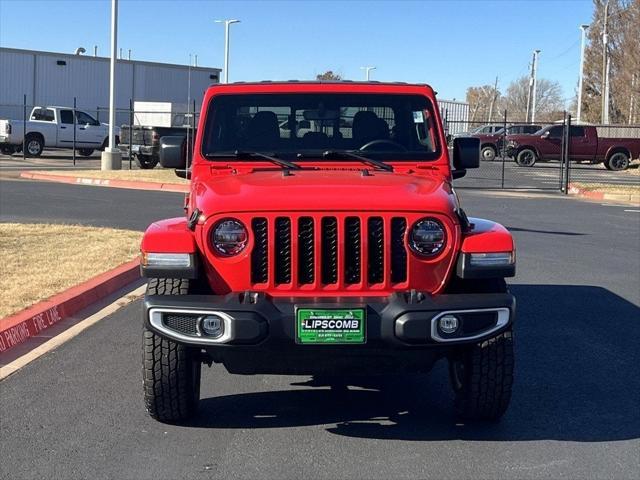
[
  {"x": 466, "y": 154},
  {"x": 545, "y": 134},
  {"x": 172, "y": 152}
]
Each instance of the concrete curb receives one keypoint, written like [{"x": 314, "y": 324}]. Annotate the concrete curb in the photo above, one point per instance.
[
  {"x": 28, "y": 323},
  {"x": 632, "y": 198},
  {"x": 103, "y": 182}
]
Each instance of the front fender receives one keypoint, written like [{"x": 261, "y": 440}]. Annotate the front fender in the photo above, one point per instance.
[
  {"x": 486, "y": 236},
  {"x": 171, "y": 236}
]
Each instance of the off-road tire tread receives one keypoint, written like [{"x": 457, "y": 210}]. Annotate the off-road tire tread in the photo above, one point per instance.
[
  {"x": 486, "y": 392},
  {"x": 169, "y": 392}
]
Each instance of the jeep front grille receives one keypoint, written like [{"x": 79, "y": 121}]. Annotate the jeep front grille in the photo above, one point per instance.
[{"x": 328, "y": 251}]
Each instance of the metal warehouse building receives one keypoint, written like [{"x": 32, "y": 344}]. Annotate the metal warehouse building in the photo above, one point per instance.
[{"x": 48, "y": 78}]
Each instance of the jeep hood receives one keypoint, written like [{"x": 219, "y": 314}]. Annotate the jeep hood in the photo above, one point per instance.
[{"x": 322, "y": 190}]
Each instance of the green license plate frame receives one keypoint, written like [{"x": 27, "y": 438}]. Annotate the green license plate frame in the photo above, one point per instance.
[{"x": 331, "y": 326}]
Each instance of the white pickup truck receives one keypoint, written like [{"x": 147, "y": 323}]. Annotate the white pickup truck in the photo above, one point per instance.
[{"x": 52, "y": 127}]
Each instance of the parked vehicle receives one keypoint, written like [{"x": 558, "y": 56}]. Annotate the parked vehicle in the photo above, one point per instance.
[
  {"x": 145, "y": 142},
  {"x": 584, "y": 145},
  {"x": 151, "y": 122},
  {"x": 52, "y": 127},
  {"x": 341, "y": 251},
  {"x": 491, "y": 144}
]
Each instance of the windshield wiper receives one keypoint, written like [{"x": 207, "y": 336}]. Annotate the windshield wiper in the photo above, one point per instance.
[
  {"x": 248, "y": 155},
  {"x": 368, "y": 161}
]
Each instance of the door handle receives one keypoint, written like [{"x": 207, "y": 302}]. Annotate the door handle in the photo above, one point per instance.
[
  {"x": 62, "y": 128},
  {"x": 83, "y": 128}
]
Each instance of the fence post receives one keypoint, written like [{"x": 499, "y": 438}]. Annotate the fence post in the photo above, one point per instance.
[
  {"x": 24, "y": 126},
  {"x": 504, "y": 145},
  {"x": 75, "y": 125},
  {"x": 130, "y": 130},
  {"x": 562, "y": 159},
  {"x": 568, "y": 155}
]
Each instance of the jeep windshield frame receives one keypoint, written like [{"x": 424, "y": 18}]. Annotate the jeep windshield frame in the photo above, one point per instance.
[{"x": 302, "y": 126}]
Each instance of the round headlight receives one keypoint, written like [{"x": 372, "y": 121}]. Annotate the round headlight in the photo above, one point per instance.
[
  {"x": 229, "y": 237},
  {"x": 427, "y": 237}
]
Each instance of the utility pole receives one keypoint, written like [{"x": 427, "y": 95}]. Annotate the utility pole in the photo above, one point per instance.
[
  {"x": 529, "y": 90},
  {"x": 226, "y": 46},
  {"x": 606, "y": 92},
  {"x": 631, "y": 100},
  {"x": 604, "y": 87},
  {"x": 111, "y": 158},
  {"x": 493, "y": 99},
  {"x": 533, "y": 92},
  {"x": 367, "y": 69},
  {"x": 583, "y": 27}
]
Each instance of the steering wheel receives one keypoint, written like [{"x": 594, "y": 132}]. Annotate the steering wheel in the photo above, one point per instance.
[{"x": 373, "y": 143}]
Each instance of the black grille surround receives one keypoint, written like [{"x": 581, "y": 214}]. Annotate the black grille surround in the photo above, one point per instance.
[{"x": 357, "y": 251}]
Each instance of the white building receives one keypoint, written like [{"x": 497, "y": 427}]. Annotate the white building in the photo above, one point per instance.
[{"x": 48, "y": 78}]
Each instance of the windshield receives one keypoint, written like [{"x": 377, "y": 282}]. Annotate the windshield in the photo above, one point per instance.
[{"x": 397, "y": 127}]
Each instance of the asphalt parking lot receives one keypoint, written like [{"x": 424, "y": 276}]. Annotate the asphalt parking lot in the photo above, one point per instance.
[{"x": 77, "y": 412}]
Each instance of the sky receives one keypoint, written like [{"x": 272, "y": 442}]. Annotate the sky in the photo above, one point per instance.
[{"x": 449, "y": 44}]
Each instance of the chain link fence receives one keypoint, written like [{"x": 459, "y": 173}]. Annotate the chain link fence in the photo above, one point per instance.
[
  {"x": 550, "y": 156},
  {"x": 80, "y": 132},
  {"x": 515, "y": 154}
]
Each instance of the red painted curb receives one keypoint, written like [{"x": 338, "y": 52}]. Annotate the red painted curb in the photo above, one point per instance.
[
  {"x": 29, "y": 322},
  {"x": 100, "y": 182},
  {"x": 580, "y": 192}
]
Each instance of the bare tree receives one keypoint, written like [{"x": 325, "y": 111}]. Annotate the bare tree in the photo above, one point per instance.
[
  {"x": 329, "y": 75},
  {"x": 479, "y": 100},
  {"x": 549, "y": 102},
  {"x": 623, "y": 29}
]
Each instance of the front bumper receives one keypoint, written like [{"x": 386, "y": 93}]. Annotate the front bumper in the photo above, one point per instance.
[{"x": 260, "y": 331}]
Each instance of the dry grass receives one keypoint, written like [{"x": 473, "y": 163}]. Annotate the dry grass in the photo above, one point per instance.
[
  {"x": 155, "y": 175},
  {"x": 608, "y": 188},
  {"x": 40, "y": 260}
]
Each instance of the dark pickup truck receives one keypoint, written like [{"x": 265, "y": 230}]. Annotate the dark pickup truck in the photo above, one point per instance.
[
  {"x": 145, "y": 142},
  {"x": 585, "y": 145},
  {"x": 491, "y": 143}
]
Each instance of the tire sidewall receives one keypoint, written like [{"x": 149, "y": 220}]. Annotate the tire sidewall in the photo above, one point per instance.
[
  {"x": 520, "y": 160},
  {"x": 618, "y": 161}
]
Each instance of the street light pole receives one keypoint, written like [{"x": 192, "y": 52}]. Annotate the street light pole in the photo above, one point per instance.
[
  {"x": 584, "y": 37},
  {"x": 226, "y": 46},
  {"x": 367, "y": 69},
  {"x": 111, "y": 158}
]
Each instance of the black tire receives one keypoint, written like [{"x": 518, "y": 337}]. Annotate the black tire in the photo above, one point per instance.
[
  {"x": 488, "y": 153},
  {"x": 7, "y": 149},
  {"x": 482, "y": 378},
  {"x": 85, "y": 152},
  {"x": 618, "y": 161},
  {"x": 526, "y": 158},
  {"x": 146, "y": 162},
  {"x": 34, "y": 145},
  {"x": 171, "y": 371}
]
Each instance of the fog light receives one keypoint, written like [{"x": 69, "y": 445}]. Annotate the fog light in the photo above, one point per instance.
[
  {"x": 212, "y": 326},
  {"x": 448, "y": 324}
]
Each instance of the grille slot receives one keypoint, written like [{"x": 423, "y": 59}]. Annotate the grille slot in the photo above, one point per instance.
[
  {"x": 185, "y": 324},
  {"x": 398, "y": 250},
  {"x": 375, "y": 260},
  {"x": 329, "y": 250},
  {"x": 259, "y": 255},
  {"x": 352, "y": 250},
  {"x": 306, "y": 255},
  {"x": 283, "y": 250}
]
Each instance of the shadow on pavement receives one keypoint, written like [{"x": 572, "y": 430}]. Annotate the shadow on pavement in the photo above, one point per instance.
[{"x": 577, "y": 379}]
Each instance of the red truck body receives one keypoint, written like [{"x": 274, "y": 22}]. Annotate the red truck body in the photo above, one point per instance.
[
  {"x": 585, "y": 145},
  {"x": 327, "y": 225}
]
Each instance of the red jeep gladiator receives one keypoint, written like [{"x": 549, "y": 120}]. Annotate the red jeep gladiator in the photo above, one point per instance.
[
  {"x": 584, "y": 145},
  {"x": 338, "y": 249}
]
